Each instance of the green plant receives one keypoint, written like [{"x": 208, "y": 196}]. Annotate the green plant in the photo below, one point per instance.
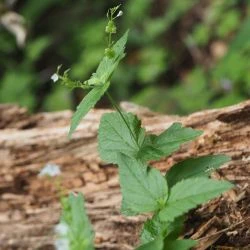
[
  {"x": 161, "y": 53},
  {"x": 74, "y": 230},
  {"x": 123, "y": 141}
]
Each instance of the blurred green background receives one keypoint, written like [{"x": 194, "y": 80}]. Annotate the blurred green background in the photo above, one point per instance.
[{"x": 182, "y": 55}]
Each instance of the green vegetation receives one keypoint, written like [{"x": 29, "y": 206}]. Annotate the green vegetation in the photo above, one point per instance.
[
  {"x": 182, "y": 55},
  {"x": 122, "y": 140},
  {"x": 74, "y": 230}
]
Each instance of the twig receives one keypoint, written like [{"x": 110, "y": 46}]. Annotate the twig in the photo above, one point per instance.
[{"x": 223, "y": 230}]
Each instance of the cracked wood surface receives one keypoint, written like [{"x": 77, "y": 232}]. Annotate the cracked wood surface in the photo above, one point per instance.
[{"x": 28, "y": 204}]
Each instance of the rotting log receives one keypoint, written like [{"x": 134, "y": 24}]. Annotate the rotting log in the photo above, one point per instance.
[{"x": 29, "y": 205}]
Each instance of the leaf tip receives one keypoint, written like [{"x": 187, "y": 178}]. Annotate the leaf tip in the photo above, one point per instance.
[
  {"x": 71, "y": 131},
  {"x": 225, "y": 158}
]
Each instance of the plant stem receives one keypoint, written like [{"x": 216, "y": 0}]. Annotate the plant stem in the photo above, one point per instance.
[
  {"x": 110, "y": 40},
  {"x": 122, "y": 116}
]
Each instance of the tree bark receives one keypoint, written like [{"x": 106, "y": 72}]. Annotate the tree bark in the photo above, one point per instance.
[{"x": 29, "y": 206}]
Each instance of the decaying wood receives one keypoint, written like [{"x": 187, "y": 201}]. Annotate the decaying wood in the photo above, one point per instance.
[{"x": 29, "y": 206}]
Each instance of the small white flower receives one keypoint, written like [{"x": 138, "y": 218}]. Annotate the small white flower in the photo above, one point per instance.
[
  {"x": 120, "y": 13},
  {"x": 50, "y": 170},
  {"x": 54, "y": 77},
  {"x": 62, "y": 242},
  {"x": 61, "y": 229}
]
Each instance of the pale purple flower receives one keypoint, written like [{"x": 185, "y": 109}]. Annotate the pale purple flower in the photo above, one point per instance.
[{"x": 51, "y": 170}]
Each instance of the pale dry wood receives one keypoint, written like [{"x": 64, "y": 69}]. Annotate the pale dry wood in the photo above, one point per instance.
[{"x": 28, "y": 204}]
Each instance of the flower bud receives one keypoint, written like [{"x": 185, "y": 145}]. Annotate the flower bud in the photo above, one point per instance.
[
  {"x": 110, "y": 28},
  {"x": 109, "y": 52},
  {"x": 120, "y": 13}
]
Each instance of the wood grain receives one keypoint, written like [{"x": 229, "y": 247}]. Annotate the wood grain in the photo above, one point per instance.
[{"x": 29, "y": 205}]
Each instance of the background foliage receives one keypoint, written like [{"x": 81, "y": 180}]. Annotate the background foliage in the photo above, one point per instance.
[{"x": 182, "y": 55}]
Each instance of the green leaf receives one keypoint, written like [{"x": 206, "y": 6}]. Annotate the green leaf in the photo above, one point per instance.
[
  {"x": 86, "y": 104},
  {"x": 143, "y": 188},
  {"x": 81, "y": 227},
  {"x": 101, "y": 81},
  {"x": 108, "y": 65},
  {"x": 79, "y": 234},
  {"x": 201, "y": 166},
  {"x": 189, "y": 193},
  {"x": 115, "y": 137},
  {"x": 157, "y": 244},
  {"x": 155, "y": 147},
  {"x": 154, "y": 228},
  {"x": 241, "y": 40},
  {"x": 170, "y": 244},
  {"x": 35, "y": 48}
]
